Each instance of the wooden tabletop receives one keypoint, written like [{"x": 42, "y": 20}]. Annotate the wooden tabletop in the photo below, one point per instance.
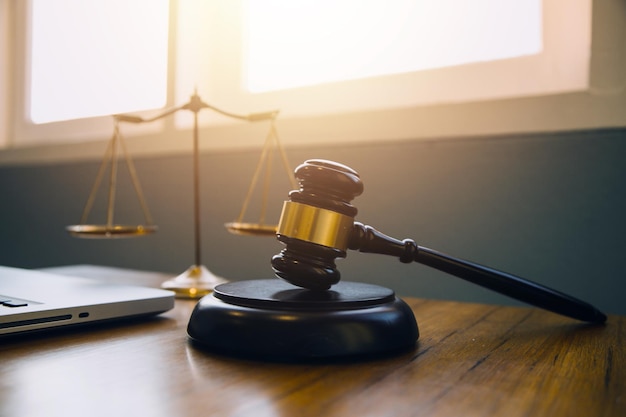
[{"x": 470, "y": 360}]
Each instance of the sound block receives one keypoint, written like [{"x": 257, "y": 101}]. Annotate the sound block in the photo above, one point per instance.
[{"x": 273, "y": 320}]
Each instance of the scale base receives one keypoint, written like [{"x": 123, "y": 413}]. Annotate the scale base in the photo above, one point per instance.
[
  {"x": 273, "y": 320},
  {"x": 195, "y": 282}
]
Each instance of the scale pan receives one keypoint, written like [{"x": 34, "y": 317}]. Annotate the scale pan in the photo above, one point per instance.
[
  {"x": 103, "y": 231},
  {"x": 251, "y": 229}
]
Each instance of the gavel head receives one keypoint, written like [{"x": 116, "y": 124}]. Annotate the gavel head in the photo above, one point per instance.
[{"x": 316, "y": 223}]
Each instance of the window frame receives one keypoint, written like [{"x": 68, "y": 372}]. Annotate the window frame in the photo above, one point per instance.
[
  {"x": 562, "y": 49},
  {"x": 599, "y": 105},
  {"x": 26, "y": 133},
  {"x": 419, "y": 90}
]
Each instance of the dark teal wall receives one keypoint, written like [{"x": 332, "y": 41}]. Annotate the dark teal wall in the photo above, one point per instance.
[{"x": 548, "y": 207}]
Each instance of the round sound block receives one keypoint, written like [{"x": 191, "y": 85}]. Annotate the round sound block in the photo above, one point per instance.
[{"x": 273, "y": 320}]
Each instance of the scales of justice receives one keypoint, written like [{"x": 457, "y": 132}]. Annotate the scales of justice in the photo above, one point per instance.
[{"x": 197, "y": 280}]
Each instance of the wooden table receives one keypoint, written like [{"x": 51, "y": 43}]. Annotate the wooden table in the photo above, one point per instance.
[{"x": 471, "y": 360}]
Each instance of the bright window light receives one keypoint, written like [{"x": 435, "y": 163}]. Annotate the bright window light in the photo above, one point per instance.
[
  {"x": 295, "y": 43},
  {"x": 97, "y": 57}
]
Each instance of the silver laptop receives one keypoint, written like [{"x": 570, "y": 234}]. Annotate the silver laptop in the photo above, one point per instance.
[{"x": 35, "y": 300}]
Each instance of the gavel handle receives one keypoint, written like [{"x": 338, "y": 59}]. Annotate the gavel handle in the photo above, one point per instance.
[{"x": 367, "y": 239}]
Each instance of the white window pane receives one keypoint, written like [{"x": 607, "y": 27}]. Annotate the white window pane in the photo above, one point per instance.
[
  {"x": 293, "y": 43},
  {"x": 97, "y": 57}
]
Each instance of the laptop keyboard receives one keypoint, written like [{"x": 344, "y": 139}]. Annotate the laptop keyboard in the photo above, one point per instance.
[{"x": 12, "y": 302}]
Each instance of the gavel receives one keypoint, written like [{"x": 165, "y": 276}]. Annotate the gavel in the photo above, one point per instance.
[{"x": 317, "y": 226}]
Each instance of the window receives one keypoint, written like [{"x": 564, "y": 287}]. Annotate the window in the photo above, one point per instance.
[
  {"x": 293, "y": 44},
  {"x": 77, "y": 62},
  {"x": 240, "y": 56},
  {"x": 99, "y": 56},
  {"x": 260, "y": 63}
]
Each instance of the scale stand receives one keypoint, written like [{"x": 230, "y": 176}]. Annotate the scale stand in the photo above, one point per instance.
[{"x": 197, "y": 280}]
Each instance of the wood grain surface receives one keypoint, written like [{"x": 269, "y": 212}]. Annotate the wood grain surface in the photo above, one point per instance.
[{"x": 471, "y": 360}]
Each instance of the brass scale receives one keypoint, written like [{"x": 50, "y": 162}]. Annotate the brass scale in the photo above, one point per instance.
[{"x": 197, "y": 280}]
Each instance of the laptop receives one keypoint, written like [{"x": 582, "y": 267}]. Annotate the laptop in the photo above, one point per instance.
[{"x": 35, "y": 300}]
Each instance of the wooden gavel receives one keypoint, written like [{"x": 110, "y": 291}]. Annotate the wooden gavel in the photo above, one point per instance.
[{"x": 317, "y": 226}]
